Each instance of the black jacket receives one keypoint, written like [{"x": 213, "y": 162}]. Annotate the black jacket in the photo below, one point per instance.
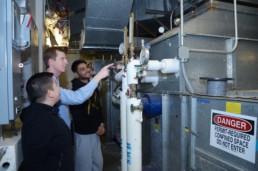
[
  {"x": 86, "y": 116},
  {"x": 46, "y": 140}
]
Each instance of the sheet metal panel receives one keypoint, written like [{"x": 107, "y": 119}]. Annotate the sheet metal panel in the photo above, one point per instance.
[
  {"x": 11, "y": 92},
  {"x": 245, "y": 62},
  {"x": 163, "y": 147},
  {"x": 204, "y": 64},
  {"x": 104, "y": 22},
  {"x": 240, "y": 65},
  {"x": 218, "y": 19},
  {"x": 3, "y": 63},
  {"x": 212, "y": 30},
  {"x": 14, "y": 76},
  {"x": 205, "y": 155}
]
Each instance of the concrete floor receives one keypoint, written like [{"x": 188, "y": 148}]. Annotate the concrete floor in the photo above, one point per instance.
[
  {"x": 111, "y": 154},
  {"x": 112, "y": 158}
]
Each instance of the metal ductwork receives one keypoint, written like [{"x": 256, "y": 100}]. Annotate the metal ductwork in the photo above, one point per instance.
[{"x": 103, "y": 24}]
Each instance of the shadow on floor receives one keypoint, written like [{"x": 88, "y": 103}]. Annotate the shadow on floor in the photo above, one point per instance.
[{"x": 112, "y": 157}]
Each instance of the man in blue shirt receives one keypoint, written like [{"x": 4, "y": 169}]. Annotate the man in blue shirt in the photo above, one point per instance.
[{"x": 56, "y": 62}]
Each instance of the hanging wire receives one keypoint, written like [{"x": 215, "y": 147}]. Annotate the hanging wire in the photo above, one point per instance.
[{"x": 172, "y": 14}]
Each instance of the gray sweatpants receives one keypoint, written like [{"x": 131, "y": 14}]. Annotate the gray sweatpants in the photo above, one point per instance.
[{"x": 88, "y": 155}]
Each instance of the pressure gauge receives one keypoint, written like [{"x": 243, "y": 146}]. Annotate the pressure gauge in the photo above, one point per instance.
[
  {"x": 121, "y": 49},
  {"x": 144, "y": 56},
  {"x": 161, "y": 30}
]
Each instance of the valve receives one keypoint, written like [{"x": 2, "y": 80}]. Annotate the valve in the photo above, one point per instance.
[{"x": 133, "y": 108}]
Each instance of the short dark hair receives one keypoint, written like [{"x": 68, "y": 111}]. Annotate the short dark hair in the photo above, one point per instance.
[
  {"x": 50, "y": 53},
  {"x": 76, "y": 63},
  {"x": 38, "y": 85}
]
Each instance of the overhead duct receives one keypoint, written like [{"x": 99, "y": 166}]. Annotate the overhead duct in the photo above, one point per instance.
[{"x": 103, "y": 24}]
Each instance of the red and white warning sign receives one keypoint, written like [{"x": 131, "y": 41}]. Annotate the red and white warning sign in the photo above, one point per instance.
[{"x": 235, "y": 134}]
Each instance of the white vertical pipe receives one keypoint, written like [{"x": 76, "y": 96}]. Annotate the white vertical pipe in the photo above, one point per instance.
[
  {"x": 134, "y": 136},
  {"x": 131, "y": 35},
  {"x": 131, "y": 72},
  {"x": 131, "y": 25},
  {"x": 123, "y": 99},
  {"x": 125, "y": 45}
]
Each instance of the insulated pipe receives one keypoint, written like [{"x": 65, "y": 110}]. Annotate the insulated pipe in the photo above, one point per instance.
[
  {"x": 119, "y": 76},
  {"x": 118, "y": 67},
  {"x": 123, "y": 124},
  {"x": 131, "y": 35},
  {"x": 154, "y": 65},
  {"x": 151, "y": 77},
  {"x": 134, "y": 135},
  {"x": 133, "y": 120},
  {"x": 132, "y": 72},
  {"x": 170, "y": 66},
  {"x": 165, "y": 65}
]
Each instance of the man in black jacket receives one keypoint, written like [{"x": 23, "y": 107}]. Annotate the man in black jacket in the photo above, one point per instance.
[
  {"x": 88, "y": 125},
  {"x": 46, "y": 139}
]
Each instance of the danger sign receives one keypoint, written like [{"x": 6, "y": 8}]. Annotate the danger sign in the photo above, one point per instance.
[{"x": 235, "y": 134}]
